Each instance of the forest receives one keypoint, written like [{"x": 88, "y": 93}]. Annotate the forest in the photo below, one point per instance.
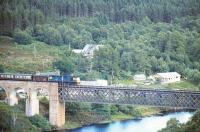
[{"x": 141, "y": 36}]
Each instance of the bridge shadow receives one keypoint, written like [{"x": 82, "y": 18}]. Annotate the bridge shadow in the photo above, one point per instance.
[{"x": 2, "y": 94}]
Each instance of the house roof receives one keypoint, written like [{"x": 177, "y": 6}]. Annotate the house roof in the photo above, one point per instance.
[
  {"x": 48, "y": 73},
  {"x": 77, "y": 51},
  {"x": 169, "y": 74},
  {"x": 89, "y": 48}
]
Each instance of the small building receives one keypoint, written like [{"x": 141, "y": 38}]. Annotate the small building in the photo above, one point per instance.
[
  {"x": 94, "y": 83},
  {"x": 77, "y": 51},
  {"x": 88, "y": 50},
  {"x": 57, "y": 72},
  {"x": 139, "y": 77},
  {"x": 168, "y": 77}
]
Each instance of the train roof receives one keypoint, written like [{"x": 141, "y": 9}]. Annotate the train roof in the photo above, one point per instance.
[{"x": 18, "y": 74}]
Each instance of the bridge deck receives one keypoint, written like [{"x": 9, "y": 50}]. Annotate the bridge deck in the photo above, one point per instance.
[{"x": 130, "y": 95}]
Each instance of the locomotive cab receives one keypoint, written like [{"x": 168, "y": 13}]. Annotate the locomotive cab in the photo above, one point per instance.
[{"x": 76, "y": 80}]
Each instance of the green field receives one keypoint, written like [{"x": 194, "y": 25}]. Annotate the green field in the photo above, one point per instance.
[
  {"x": 182, "y": 85},
  {"x": 37, "y": 56}
]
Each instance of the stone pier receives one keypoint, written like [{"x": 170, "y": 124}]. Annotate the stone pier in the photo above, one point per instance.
[
  {"x": 32, "y": 103},
  {"x": 56, "y": 108}
]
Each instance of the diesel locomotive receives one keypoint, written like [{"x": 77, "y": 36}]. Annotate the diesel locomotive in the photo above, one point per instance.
[{"x": 67, "y": 78}]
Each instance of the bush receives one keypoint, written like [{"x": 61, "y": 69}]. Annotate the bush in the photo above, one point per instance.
[
  {"x": 173, "y": 125},
  {"x": 113, "y": 109},
  {"x": 22, "y": 37},
  {"x": 124, "y": 109},
  {"x": 193, "y": 125},
  {"x": 65, "y": 66},
  {"x": 1, "y": 68},
  {"x": 40, "y": 122},
  {"x": 48, "y": 35},
  {"x": 12, "y": 119}
]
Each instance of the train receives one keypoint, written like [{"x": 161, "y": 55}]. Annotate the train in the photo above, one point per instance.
[{"x": 67, "y": 78}]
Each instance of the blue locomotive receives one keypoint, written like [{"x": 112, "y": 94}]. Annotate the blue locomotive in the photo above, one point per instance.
[{"x": 65, "y": 78}]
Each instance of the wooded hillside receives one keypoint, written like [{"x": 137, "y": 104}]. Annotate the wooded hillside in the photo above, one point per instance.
[
  {"x": 24, "y": 13},
  {"x": 140, "y": 35}
]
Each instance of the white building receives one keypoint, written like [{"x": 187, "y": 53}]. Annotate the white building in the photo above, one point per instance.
[
  {"x": 95, "y": 83},
  {"x": 168, "y": 77},
  {"x": 88, "y": 50},
  {"x": 50, "y": 73},
  {"x": 139, "y": 77},
  {"x": 77, "y": 51}
]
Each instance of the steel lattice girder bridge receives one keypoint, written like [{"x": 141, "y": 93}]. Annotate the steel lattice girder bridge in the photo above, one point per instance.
[{"x": 130, "y": 95}]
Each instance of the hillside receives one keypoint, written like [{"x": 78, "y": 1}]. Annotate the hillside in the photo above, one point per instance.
[
  {"x": 26, "y": 58},
  {"x": 140, "y": 36}
]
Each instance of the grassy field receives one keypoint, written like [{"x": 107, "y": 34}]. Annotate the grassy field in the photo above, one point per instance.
[
  {"x": 182, "y": 85},
  {"x": 37, "y": 56}
]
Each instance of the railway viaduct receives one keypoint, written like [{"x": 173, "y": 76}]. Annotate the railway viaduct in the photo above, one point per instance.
[
  {"x": 56, "y": 107},
  {"x": 59, "y": 93}
]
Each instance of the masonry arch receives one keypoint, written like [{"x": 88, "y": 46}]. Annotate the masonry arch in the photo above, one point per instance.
[{"x": 3, "y": 94}]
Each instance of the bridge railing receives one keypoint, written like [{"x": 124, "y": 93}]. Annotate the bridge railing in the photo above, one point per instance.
[{"x": 130, "y": 95}]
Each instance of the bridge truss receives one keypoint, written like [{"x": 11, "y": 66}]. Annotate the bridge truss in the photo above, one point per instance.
[{"x": 130, "y": 95}]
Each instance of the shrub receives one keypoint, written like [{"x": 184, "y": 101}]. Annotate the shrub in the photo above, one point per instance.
[
  {"x": 48, "y": 35},
  {"x": 40, "y": 122},
  {"x": 12, "y": 119},
  {"x": 113, "y": 109},
  {"x": 22, "y": 37},
  {"x": 1, "y": 68}
]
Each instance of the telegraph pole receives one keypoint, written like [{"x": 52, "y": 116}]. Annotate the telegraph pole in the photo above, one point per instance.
[{"x": 34, "y": 51}]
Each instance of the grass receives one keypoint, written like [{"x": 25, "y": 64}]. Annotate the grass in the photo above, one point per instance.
[
  {"x": 71, "y": 124},
  {"x": 183, "y": 85},
  {"x": 26, "y": 58},
  {"x": 147, "y": 111},
  {"x": 125, "y": 82},
  {"x": 121, "y": 116}
]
